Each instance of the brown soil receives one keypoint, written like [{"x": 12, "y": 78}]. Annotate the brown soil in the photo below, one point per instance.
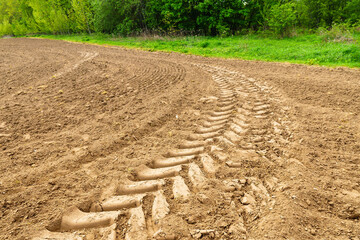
[{"x": 79, "y": 123}]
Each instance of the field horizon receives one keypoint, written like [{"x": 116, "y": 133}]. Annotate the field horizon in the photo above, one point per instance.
[{"x": 311, "y": 49}]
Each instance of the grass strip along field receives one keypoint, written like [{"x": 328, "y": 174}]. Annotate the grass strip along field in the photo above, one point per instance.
[{"x": 307, "y": 49}]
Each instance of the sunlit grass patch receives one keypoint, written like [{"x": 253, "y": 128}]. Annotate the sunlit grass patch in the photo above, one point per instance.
[{"x": 306, "y": 49}]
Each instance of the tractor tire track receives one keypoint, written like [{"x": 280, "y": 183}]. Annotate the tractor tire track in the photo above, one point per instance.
[{"x": 188, "y": 169}]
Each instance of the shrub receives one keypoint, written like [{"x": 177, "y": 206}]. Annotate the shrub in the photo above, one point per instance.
[
  {"x": 19, "y": 29},
  {"x": 5, "y": 28},
  {"x": 204, "y": 44},
  {"x": 337, "y": 33},
  {"x": 126, "y": 27}
]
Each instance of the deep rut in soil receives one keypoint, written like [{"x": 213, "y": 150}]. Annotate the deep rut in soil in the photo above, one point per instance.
[{"x": 199, "y": 176}]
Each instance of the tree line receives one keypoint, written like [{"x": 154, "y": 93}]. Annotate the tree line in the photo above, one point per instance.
[{"x": 204, "y": 17}]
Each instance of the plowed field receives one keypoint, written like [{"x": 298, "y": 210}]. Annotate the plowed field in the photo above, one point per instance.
[{"x": 108, "y": 143}]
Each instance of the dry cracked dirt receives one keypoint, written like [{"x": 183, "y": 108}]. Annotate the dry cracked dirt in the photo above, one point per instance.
[{"x": 110, "y": 143}]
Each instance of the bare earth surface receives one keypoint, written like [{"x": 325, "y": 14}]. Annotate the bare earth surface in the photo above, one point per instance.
[{"x": 108, "y": 143}]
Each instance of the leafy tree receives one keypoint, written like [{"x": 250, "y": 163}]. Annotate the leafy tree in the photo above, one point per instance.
[
  {"x": 83, "y": 15},
  {"x": 120, "y": 16},
  {"x": 5, "y": 28},
  {"x": 221, "y": 17},
  {"x": 59, "y": 21},
  {"x": 281, "y": 18},
  {"x": 154, "y": 14},
  {"x": 178, "y": 15},
  {"x": 321, "y": 13},
  {"x": 352, "y": 11},
  {"x": 105, "y": 16}
]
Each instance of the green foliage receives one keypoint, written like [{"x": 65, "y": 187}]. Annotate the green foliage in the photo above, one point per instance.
[
  {"x": 126, "y": 27},
  {"x": 221, "y": 17},
  {"x": 204, "y": 44},
  {"x": 19, "y": 28},
  {"x": 281, "y": 18},
  {"x": 5, "y": 28},
  {"x": 84, "y": 15},
  {"x": 120, "y": 16},
  {"x": 352, "y": 11},
  {"x": 106, "y": 17},
  {"x": 322, "y": 13},
  {"x": 47, "y": 16},
  {"x": 174, "y": 17}
]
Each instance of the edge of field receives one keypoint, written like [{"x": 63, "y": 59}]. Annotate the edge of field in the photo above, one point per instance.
[{"x": 307, "y": 49}]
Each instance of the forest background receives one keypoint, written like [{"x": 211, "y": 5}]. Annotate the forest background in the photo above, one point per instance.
[{"x": 193, "y": 17}]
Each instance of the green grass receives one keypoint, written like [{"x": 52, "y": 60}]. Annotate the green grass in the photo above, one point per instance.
[{"x": 306, "y": 49}]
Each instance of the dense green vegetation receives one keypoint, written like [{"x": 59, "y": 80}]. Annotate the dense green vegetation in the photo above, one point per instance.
[
  {"x": 328, "y": 48},
  {"x": 171, "y": 17}
]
